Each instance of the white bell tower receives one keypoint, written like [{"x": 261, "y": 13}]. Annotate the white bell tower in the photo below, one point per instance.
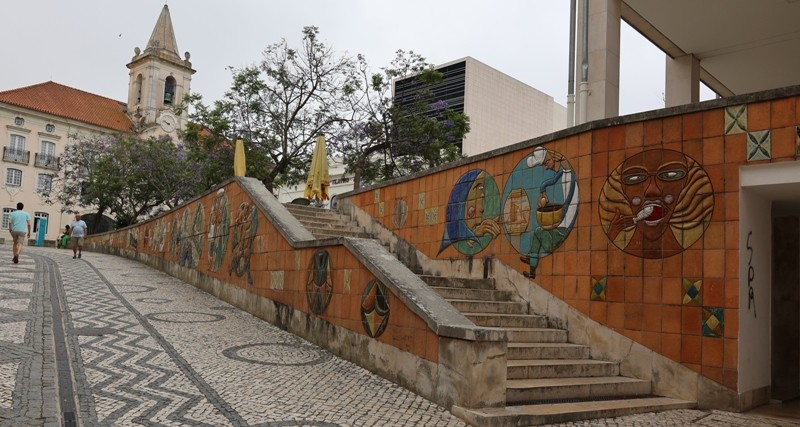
[{"x": 159, "y": 79}]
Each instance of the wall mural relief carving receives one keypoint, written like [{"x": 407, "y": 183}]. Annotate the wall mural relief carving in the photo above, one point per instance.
[
  {"x": 243, "y": 232},
  {"x": 375, "y": 308},
  {"x": 319, "y": 287},
  {"x": 218, "y": 222},
  {"x": 540, "y": 205},
  {"x": 473, "y": 213},
  {"x": 656, "y": 204}
]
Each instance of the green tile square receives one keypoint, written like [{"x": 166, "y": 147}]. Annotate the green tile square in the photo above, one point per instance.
[
  {"x": 735, "y": 119},
  {"x": 759, "y": 145}
]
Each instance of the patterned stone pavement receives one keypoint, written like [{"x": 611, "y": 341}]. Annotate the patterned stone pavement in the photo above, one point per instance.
[{"x": 133, "y": 346}]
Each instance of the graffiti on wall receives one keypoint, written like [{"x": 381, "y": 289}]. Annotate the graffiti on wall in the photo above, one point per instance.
[
  {"x": 472, "y": 214},
  {"x": 243, "y": 232},
  {"x": 375, "y": 308},
  {"x": 319, "y": 287},
  {"x": 656, "y": 203},
  {"x": 218, "y": 222}
]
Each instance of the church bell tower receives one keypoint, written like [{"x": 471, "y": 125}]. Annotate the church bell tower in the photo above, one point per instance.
[{"x": 159, "y": 79}]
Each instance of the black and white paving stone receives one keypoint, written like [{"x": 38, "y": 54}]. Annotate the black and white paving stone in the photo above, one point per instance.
[{"x": 131, "y": 346}]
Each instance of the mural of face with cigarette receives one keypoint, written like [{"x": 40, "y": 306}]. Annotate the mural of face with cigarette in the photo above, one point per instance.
[{"x": 656, "y": 204}]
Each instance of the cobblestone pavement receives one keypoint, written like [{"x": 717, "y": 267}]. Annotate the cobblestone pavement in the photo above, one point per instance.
[{"x": 130, "y": 345}]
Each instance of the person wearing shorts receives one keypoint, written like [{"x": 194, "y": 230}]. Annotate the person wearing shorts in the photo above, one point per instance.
[
  {"x": 79, "y": 231},
  {"x": 20, "y": 227}
]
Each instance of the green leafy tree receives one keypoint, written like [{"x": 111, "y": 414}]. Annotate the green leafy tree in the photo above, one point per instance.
[
  {"x": 382, "y": 139},
  {"x": 129, "y": 178},
  {"x": 277, "y": 107}
]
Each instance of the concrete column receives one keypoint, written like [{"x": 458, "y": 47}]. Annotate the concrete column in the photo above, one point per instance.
[
  {"x": 682, "y": 80},
  {"x": 604, "y": 54}
]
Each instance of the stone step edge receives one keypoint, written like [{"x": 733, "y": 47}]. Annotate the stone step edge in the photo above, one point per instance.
[{"x": 551, "y": 413}]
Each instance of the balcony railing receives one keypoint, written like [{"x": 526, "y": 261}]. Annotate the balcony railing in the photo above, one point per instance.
[
  {"x": 47, "y": 161},
  {"x": 16, "y": 156}
]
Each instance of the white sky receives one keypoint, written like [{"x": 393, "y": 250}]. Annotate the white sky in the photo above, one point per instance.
[{"x": 86, "y": 43}]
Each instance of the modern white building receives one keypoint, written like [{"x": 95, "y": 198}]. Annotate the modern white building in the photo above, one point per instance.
[{"x": 37, "y": 122}]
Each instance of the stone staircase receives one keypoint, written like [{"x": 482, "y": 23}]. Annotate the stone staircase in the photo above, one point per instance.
[
  {"x": 325, "y": 223},
  {"x": 549, "y": 379}
]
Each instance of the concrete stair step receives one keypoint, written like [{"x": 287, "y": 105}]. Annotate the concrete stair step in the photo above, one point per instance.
[
  {"x": 474, "y": 294},
  {"x": 528, "y": 415},
  {"x": 470, "y": 306},
  {"x": 535, "y": 334},
  {"x": 537, "y": 350},
  {"x": 457, "y": 282},
  {"x": 333, "y": 224},
  {"x": 560, "y": 368},
  {"x": 540, "y": 390},
  {"x": 330, "y": 234},
  {"x": 508, "y": 320}
]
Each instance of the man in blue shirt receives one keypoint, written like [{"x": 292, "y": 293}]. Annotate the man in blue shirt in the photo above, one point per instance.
[
  {"x": 79, "y": 231},
  {"x": 20, "y": 227}
]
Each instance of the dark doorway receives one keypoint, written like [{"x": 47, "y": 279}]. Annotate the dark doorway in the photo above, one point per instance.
[{"x": 785, "y": 307}]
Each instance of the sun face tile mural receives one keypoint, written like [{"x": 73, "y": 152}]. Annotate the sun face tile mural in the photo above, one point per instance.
[
  {"x": 472, "y": 213},
  {"x": 656, "y": 204},
  {"x": 540, "y": 205},
  {"x": 218, "y": 221},
  {"x": 319, "y": 286},
  {"x": 375, "y": 308}
]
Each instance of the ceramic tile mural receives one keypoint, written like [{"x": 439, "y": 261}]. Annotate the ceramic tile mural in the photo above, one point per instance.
[
  {"x": 759, "y": 145},
  {"x": 319, "y": 286},
  {"x": 598, "y": 289},
  {"x": 735, "y": 119},
  {"x": 473, "y": 213},
  {"x": 692, "y": 292},
  {"x": 400, "y": 213},
  {"x": 713, "y": 322},
  {"x": 375, "y": 308},
  {"x": 218, "y": 223}
]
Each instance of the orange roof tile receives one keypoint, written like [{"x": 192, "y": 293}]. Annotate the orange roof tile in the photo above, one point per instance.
[{"x": 70, "y": 103}]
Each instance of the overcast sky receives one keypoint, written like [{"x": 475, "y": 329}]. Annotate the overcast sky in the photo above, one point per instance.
[{"x": 86, "y": 43}]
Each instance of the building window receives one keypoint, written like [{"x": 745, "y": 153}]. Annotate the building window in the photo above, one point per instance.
[
  {"x": 47, "y": 154},
  {"x": 169, "y": 90},
  {"x": 137, "y": 87},
  {"x": 37, "y": 216},
  {"x": 17, "y": 144},
  {"x": 19, "y": 121},
  {"x": 50, "y": 128},
  {"x": 14, "y": 177},
  {"x": 44, "y": 183},
  {"x": 6, "y": 212}
]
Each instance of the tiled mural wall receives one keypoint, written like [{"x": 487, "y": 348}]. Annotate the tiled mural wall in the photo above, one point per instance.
[
  {"x": 635, "y": 224},
  {"x": 223, "y": 235}
]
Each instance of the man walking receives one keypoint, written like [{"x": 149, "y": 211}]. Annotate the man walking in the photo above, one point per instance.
[
  {"x": 20, "y": 226},
  {"x": 79, "y": 231}
]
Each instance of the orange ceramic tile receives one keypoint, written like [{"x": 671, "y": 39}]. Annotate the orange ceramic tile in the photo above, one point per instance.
[
  {"x": 634, "y": 335},
  {"x": 600, "y": 165},
  {"x": 672, "y": 290},
  {"x": 713, "y": 263},
  {"x": 713, "y": 151},
  {"x": 692, "y": 126},
  {"x": 713, "y": 373},
  {"x": 797, "y": 110},
  {"x": 732, "y": 206},
  {"x": 692, "y": 263},
  {"x": 732, "y": 293},
  {"x": 633, "y": 289},
  {"x": 652, "y": 133},
  {"x": 616, "y": 262},
  {"x": 598, "y": 311},
  {"x": 783, "y": 113},
  {"x": 634, "y": 316},
  {"x": 585, "y": 144},
  {"x": 693, "y": 148},
  {"x": 758, "y": 116},
  {"x": 731, "y": 237},
  {"x": 731, "y": 263},
  {"x": 694, "y": 366},
  {"x": 671, "y": 319},
  {"x": 600, "y": 241},
  {"x": 599, "y": 265},
  {"x": 671, "y": 346},
  {"x": 615, "y": 159},
  {"x": 652, "y": 340},
  {"x": 570, "y": 260},
  {"x": 616, "y": 138},
  {"x": 652, "y": 290},
  {"x": 732, "y": 322},
  {"x": 558, "y": 286},
  {"x": 584, "y": 236},
  {"x": 691, "y": 349},
  {"x": 730, "y": 379},
  {"x": 784, "y": 143},
  {"x": 616, "y": 315},
  {"x": 652, "y": 316},
  {"x": 673, "y": 266},
  {"x": 735, "y": 148},
  {"x": 730, "y": 358},
  {"x": 714, "y": 236},
  {"x": 582, "y": 306},
  {"x": 691, "y": 320},
  {"x": 633, "y": 265},
  {"x": 713, "y": 122},
  {"x": 672, "y": 130},
  {"x": 713, "y": 292},
  {"x": 634, "y": 135},
  {"x": 600, "y": 140}
]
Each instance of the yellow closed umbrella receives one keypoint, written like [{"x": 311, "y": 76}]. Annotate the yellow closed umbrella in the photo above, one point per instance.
[
  {"x": 238, "y": 159},
  {"x": 318, "y": 179}
]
